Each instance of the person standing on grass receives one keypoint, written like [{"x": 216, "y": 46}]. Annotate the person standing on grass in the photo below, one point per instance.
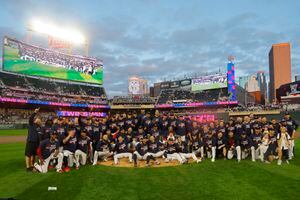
[{"x": 32, "y": 141}]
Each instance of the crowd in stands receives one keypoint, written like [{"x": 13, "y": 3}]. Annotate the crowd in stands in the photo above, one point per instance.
[
  {"x": 138, "y": 99},
  {"x": 49, "y": 57},
  {"x": 17, "y": 86},
  {"x": 170, "y": 96},
  {"x": 19, "y": 116}
]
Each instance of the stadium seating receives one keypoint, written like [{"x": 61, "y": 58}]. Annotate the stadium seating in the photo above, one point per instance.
[
  {"x": 117, "y": 100},
  {"x": 46, "y": 89},
  {"x": 170, "y": 96}
]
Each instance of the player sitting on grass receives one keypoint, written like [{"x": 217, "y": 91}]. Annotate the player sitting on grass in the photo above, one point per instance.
[
  {"x": 141, "y": 152},
  {"x": 156, "y": 149},
  {"x": 121, "y": 151},
  {"x": 70, "y": 143},
  {"x": 185, "y": 150},
  {"x": 47, "y": 151},
  {"x": 84, "y": 147},
  {"x": 103, "y": 149},
  {"x": 197, "y": 146},
  {"x": 171, "y": 152}
]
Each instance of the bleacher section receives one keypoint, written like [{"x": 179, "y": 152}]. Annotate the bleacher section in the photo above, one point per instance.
[
  {"x": 170, "y": 96},
  {"x": 18, "y": 86}
]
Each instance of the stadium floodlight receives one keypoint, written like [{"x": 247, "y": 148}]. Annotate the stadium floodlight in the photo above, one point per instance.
[{"x": 52, "y": 30}]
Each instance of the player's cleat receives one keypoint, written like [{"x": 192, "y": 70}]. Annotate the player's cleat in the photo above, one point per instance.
[
  {"x": 279, "y": 162},
  {"x": 167, "y": 160},
  {"x": 77, "y": 168},
  {"x": 276, "y": 157},
  {"x": 104, "y": 160},
  {"x": 60, "y": 171},
  {"x": 239, "y": 161},
  {"x": 157, "y": 162},
  {"x": 287, "y": 162},
  {"x": 267, "y": 162},
  {"x": 199, "y": 161},
  {"x": 212, "y": 160},
  {"x": 94, "y": 164},
  {"x": 253, "y": 160},
  {"x": 67, "y": 169},
  {"x": 29, "y": 169}
]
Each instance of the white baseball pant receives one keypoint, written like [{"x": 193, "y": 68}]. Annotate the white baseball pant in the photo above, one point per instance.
[
  {"x": 44, "y": 167},
  {"x": 255, "y": 153},
  {"x": 71, "y": 157},
  {"x": 230, "y": 153},
  {"x": 189, "y": 155},
  {"x": 291, "y": 148},
  {"x": 80, "y": 157},
  {"x": 140, "y": 157},
  {"x": 175, "y": 156},
  {"x": 103, "y": 154},
  {"x": 122, "y": 155},
  {"x": 157, "y": 154}
]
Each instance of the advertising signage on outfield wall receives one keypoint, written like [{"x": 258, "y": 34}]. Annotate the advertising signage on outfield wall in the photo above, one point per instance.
[{"x": 185, "y": 82}]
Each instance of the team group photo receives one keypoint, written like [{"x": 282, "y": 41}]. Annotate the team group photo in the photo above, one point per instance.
[{"x": 140, "y": 100}]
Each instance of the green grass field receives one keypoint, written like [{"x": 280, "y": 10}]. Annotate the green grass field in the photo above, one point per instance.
[
  {"x": 13, "y": 132},
  {"x": 13, "y": 63},
  {"x": 219, "y": 180}
]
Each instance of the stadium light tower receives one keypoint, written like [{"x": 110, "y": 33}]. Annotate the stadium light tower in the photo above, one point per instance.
[{"x": 68, "y": 36}]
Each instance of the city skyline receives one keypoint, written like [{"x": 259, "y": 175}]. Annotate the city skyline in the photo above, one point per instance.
[{"x": 163, "y": 39}]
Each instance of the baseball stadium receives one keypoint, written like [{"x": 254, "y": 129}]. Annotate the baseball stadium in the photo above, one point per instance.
[{"x": 63, "y": 135}]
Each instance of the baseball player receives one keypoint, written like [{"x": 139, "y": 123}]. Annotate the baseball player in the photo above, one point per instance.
[
  {"x": 121, "y": 151},
  {"x": 103, "y": 149},
  {"x": 171, "y": 152},
  {"x": 47, "y": 151},
  {"x": 256, "y": 140},
  {"x": 291, "y": 127},
  {"x": 197, "y": 145},
  {"x": 221, "y": 145},
  {"x": 233, "y": 146},
  {"x": 32, "y": 141},
  {"x": 245, "y": 144},
  {"x": 70, "y": 144},
  {"x": 210, "y": 146},
  {"x": 84, "y": 147},
  {"x": 141, "y": 152},
  {"x": 156, "y": 148},
  {"x": 264, "y": 144},
  {"x": 272, "y": 144},
  {"x": 185, "y": 150}
]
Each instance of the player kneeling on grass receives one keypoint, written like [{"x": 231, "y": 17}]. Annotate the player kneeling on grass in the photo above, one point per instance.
[
  {"x": 185, "y": 150},
  {"x": 283, "y": 145},
  {"x": 70, "y": 143},
  {"x": 264, "y": 144},
  {"x": 245, "y": 144},
  {"x": 221, "y": 145},
  {"x": 141, "y": 152},
  {"x": 272, "y": 145},
  {"x": 256, "y": 139},
  {"x": 84, "y": 147},
  {"x": 171, "y": 152},
  {"x": 121, "y": 151},
  {"x": 234, "y": 148},
  {"x": 210, "y": 146},
  {"x": 47, "y": 151},
  {"x": 103, "y": 149}
]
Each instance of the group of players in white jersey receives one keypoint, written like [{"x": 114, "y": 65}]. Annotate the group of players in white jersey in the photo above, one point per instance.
[{"x": 66, "y": 143}]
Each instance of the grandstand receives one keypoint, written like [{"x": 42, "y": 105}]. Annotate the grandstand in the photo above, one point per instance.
[{"x": 37, "y": 88}]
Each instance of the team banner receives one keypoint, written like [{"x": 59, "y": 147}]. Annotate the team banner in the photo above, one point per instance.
[
  {"x": 215, "y": 81},
  {"x": 23, "y": 58}
]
